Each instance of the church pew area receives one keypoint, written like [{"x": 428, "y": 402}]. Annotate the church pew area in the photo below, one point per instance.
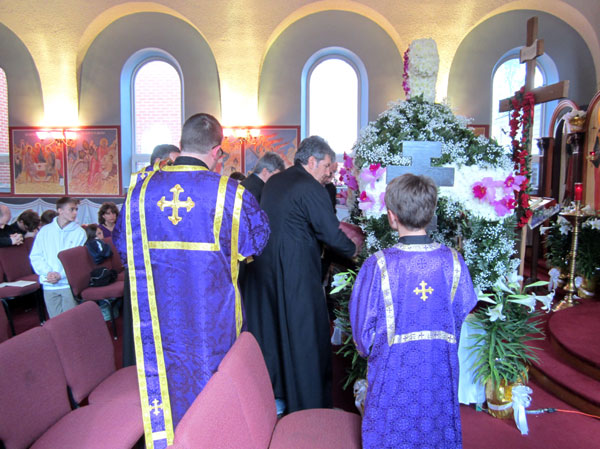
[{"x": 574, "y": 330}]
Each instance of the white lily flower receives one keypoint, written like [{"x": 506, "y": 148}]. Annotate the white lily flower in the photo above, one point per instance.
[
  {"x": 563, "y": 225},
  {"x": 528, "y": 302},
  {"x": 593, "y": 223},
  {"x": 339, "y": 280},
  {"x": 554, "y": 274},
  {"x": 514, "y": 279},
  {"x": 496, "y": 313},
  {"x": 544, "y": 229},
  {"x": 546, "y": 300}
]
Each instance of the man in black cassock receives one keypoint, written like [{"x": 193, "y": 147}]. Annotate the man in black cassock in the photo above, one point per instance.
[
  {"x": 267, "y": 166},
  {"x": 283, "y": 296}
]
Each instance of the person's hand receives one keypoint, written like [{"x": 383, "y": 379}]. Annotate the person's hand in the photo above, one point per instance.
[
  {"x": 355, "y": 234},
  {"x": 16, "y": 239},
  {"x": 53, "y": 277}
]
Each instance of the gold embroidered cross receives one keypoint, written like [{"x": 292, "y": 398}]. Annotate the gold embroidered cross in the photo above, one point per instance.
[
  {"x": 423, "y": 291},
  {"x": 156, "y": 406},
  {"x": 175, "y": 204}
]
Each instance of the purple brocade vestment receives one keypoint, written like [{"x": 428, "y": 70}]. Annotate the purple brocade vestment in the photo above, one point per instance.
[
  {"x": 406, "y": 311},
  {"x": 187, "y": 229}
]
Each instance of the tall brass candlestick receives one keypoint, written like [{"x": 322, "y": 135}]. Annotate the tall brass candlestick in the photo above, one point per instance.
[{"x": 570, "y": 288}]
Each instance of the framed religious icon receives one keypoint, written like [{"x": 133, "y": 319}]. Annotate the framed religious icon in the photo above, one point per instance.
[
  {"x": 283, "y": 140},
  {"x": 480, "y": 130},
  {"x": 233, "y": 156},
  {"x": 94, "y": 161},
  {"x": 37, "y": 160}
]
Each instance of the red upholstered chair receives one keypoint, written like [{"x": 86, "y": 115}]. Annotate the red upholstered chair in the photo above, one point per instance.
[
  {"x": 310, "y": 429},
  {"x": 88, "y": 358},
  {"x": 15, "y": 266},
  {"x": 35, "y": 409},
  {"x": 5, "y": 331},
  {"x": 215, "y": 419},
  {"x": 78, "y": 265}
]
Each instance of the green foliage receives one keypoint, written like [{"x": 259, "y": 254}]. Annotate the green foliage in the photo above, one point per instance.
[
  {"x": 588, "y": 252},
  {"x": 558, "y": 245},
  {"x": 502, "y": 350}
]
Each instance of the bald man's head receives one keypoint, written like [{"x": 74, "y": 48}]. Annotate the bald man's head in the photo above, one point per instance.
[{"x": 4, "y": 215}]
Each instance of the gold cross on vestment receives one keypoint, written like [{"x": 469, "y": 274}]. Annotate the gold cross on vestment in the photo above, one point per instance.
[
  {"x": 156, "y": 406},
  {"x": 175, "y": 204},
  {"x": 423, "y": 291}
]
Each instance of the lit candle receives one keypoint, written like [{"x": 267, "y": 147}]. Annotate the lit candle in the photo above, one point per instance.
[{"x": 578, "y": 191}]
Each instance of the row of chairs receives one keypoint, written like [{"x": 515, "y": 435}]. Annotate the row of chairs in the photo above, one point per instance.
[
  {"x": 236, "y": 409},
  {"x": 15, "y": 266},
  {"x": 59, "y": 387},
  {"x": 78, "y": 264}
]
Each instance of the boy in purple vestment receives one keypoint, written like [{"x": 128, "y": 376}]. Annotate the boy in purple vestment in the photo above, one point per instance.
[{"x": 406, "y": 311}]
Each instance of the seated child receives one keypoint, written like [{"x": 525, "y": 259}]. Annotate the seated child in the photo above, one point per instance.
[
  {"x": 406, "y": 311},
  {"x": 99, "y": 250}
]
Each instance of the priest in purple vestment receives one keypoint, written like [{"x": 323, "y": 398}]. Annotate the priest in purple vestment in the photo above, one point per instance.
[
  {"x": 187, "y": 229},
  {"x": 406, "y": 311}
]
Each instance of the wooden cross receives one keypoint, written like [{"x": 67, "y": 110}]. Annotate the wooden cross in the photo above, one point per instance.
[
  {"x": 423, "y": 291},
  {"x": 175, "y": 204},
  {"x": 528, "y": 55},
  {"x": 156, "y": 406}
]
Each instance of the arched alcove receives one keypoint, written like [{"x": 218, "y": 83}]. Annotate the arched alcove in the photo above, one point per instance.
[
  {"x": 25, "y": 101},
  {"x": 99, "y": 101},
  {"x": 470, "y": 79},
  {"x": 279, "y": 93}
]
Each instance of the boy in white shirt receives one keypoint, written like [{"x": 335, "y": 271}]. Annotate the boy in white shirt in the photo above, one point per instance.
[{"x": 62, "y": 233}]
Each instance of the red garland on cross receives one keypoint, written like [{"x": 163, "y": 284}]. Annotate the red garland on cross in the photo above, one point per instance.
[{"x": 521, "y": 116}]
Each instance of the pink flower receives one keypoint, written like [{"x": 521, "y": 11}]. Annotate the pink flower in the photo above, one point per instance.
[
  {"x": 350, "y": 181},
  {"x": 371, "y": 175},
  {"x": 505, "y": 205},
  {"x": 365, "y": 201},
  {"x": 348, "y": 162},
  {"x": 485, "y": 189},
  {"x": 512, "y": 183}
]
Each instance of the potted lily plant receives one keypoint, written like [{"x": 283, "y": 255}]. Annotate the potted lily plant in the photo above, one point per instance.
[
  {"x": 508, "y": 322},
  {"x": 588, "y": 257}
]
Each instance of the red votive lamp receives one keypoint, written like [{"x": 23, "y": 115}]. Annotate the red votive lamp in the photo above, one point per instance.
[{"x": 578, "y": 191}]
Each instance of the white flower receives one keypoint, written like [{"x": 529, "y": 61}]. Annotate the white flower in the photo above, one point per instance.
[
  {"x": 495, "y": 313},
  {"x": 514, "y": 278},
  {"x": 528, "y": 301},
  {"x": 593, "y": 223},
  {"x": 564, "y": 226},
  {"x": 546, "y": 300}
]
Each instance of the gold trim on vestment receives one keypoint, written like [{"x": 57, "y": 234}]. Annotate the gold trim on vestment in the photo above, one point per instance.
[
  {"x": 455, "y": 274},
  {"x": 418, "y": 247},
  {"x": 183, "y": 168},
  {"x": 390, "y": 323},
  {"x": 135, "y": 314},
  {"x": 425, "y": 335},
  {"x": 235, "y": 235},
  {"x": 191, "y": 246},
  {"x": 390, "y": 320},
  {"x": 160, "y": 358}
]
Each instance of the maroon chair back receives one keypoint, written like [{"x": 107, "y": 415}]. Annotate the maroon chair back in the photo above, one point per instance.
[
  {"x": 28, "y": 242},
  {"x": 245, "y": 365},
  {"x": 15, "y": 262},
  {"x": 33, "y": 390},
  {"x": 78, "y": 265},
  {"x": 84, "y": 347},
  {"x": 215, "y": 419},
  {"x": 115, "y": 260},
  {"x": 5, "y": 331}
]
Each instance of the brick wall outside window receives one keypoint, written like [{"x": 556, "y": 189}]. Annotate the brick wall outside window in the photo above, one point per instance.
[
  {"x": 4, "y": 166},
  {"x": 157, "y": 94}
]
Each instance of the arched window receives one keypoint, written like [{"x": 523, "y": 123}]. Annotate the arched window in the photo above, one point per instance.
[
  {"x": 508, "y": 78},
  {"x": 151, "y": 106},
  {"x": 334, "y": 97},
  {"x": 4, "y": 159}
]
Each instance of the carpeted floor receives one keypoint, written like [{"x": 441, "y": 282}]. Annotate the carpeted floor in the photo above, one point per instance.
[{"x": 549, "y": 431}]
